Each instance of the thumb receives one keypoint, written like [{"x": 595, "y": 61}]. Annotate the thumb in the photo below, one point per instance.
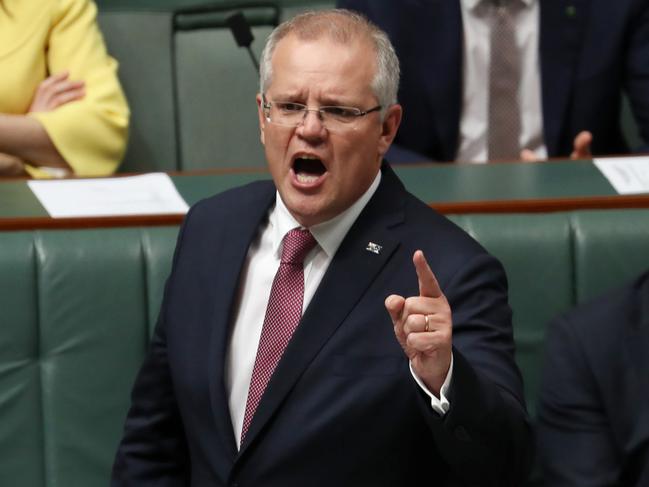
[
  {"x": 394, "y": 304},
  {"x": 581, "y": 145}
]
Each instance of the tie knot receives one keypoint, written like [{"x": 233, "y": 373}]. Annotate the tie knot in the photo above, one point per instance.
[
  {"x": 504, "y": 7},
  {"x": 297, "y": 243}
]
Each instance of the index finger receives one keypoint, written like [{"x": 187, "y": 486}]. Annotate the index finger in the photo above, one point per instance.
[{"x": 428, "y": 285}]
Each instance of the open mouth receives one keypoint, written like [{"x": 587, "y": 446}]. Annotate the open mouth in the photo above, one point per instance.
[{"x": 308, "y": 169}]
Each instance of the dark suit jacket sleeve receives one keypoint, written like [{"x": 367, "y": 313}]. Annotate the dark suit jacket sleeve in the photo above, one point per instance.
[
  {"x": 153, "y": 450},
  {"x": 576, "y": 443},
  {"x": 485, "y": 437},
  {"x": 637, "y": 71}
]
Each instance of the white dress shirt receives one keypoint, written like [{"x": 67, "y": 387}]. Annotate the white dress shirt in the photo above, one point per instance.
[
  {"x": 257, "y": 277},
  {"x": 475, "y": 97}
]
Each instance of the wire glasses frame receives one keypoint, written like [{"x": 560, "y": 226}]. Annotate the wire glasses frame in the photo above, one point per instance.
[{"x": 291, "y": 114}]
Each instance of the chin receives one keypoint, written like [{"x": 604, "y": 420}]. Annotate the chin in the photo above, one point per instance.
[
  {"x": 306, "y": 217},
  {"x": 307, "y": 214}
]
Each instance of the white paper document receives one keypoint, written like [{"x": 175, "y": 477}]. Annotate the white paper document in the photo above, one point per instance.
[
  {"x": 147, "y": 194},
  {"x": 628, "y": 175}
]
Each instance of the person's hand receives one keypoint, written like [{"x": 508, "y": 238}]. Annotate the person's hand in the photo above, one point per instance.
[
  {"x": 581, "y": 145},
  {"x": 528, "y": 155},
  {"x": 11, "y": 166},
  {"x": 581, "y": 148},
  {"x": 55, "y": 91},
  {"x": 423, "y": 326}
]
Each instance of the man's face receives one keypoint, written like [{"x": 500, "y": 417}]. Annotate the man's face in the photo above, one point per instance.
[{"x": 319, "y": 172}]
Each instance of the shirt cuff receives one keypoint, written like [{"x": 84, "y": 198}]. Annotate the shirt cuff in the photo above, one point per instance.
[{"x": 439, "y": 404}]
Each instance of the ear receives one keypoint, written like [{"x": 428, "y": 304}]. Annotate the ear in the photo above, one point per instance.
[
  {"x": 262, "y": 118},
  {"x": 389, "y": 127}
]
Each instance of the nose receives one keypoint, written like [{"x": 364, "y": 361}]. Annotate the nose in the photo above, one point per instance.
[{"x": 312, "y": 125}]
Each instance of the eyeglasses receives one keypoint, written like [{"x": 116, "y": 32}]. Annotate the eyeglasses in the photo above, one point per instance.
[{"x": 334, "y": 118}]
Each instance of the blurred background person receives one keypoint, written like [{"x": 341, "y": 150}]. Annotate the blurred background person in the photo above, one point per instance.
[
  {"x": 593, "y": 425},
  {"x": 515, "y": 79},
  {"x": 62, "y": 110}
]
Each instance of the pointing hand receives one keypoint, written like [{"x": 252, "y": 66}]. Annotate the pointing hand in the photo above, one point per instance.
[{"x": 423, "y": 326}]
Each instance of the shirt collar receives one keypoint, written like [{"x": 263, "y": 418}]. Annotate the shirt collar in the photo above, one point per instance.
[{"x": 329, "y": 234}]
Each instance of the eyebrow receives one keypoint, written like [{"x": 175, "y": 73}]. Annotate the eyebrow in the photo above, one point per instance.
[
  {"x": 327, "y": 100},
  {"x": 287, "y": 96},
  {"x": 330, "y": 101}
]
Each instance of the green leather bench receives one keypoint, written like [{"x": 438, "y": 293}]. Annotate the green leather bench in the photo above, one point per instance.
[{"x": 78, "y": 307}]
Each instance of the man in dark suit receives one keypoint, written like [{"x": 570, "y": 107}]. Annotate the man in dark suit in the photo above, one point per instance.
[
  {"x": 594, "y": 401},
  {"x": 401, "y": 370},
  {"x": 578, "y": 57}
]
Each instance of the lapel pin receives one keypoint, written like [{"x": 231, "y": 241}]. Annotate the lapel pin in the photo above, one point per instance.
[{"x": 372, "y": 247}]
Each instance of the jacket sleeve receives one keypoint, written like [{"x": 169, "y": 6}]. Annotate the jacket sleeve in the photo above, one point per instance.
[
  {"x": 485, "y": 437},
  {"x": 153, "y": 450},
  {"x": 91, "y": 133},
  {"x": 637, "y": 70},
  {"x": 576, "y": 443}
]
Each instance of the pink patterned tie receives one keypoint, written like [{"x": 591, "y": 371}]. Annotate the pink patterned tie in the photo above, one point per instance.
[{"x": 282, "y": 316}]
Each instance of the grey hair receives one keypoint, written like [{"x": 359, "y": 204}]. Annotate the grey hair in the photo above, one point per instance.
[{"x": 341, "y": 26}]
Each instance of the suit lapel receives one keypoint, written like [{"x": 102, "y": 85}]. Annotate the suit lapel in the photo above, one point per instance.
[
  {"x": 350, "y": 273},
  {"x": 561, "y": 26},
  {"x": 234, "y": 243}
]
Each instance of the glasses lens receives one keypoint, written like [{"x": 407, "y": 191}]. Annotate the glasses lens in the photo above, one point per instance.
[
  {"x": 333, "y": 118},
  {"x": 340, "y": 115},
  {"x": 287, "y": 113}
]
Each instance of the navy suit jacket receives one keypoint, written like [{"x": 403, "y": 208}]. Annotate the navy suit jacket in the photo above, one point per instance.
[
  {"x": 590, "y": 51},
  {"x": 594, "y": 402},
  {"x": 342, "y": 408}
]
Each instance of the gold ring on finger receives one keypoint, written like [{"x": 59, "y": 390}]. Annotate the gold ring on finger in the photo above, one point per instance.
[{"x": 426, "y": 326}]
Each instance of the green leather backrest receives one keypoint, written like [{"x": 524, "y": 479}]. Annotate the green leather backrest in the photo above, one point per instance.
[
  {"x": 79, "y": 306},
  {"x": 555, "y": 261},
  {"x": 77, "y": 311},
  {"x": 609, "y": 247},
  {"x": 537, "y": 254},
  {"x": 218, "y": 125}
]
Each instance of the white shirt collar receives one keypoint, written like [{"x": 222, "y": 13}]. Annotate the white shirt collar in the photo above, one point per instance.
[{"x": 329, "y": 234}]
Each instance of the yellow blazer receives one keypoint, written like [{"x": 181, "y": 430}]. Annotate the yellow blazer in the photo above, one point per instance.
[{"x": 39, "y": 38}]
